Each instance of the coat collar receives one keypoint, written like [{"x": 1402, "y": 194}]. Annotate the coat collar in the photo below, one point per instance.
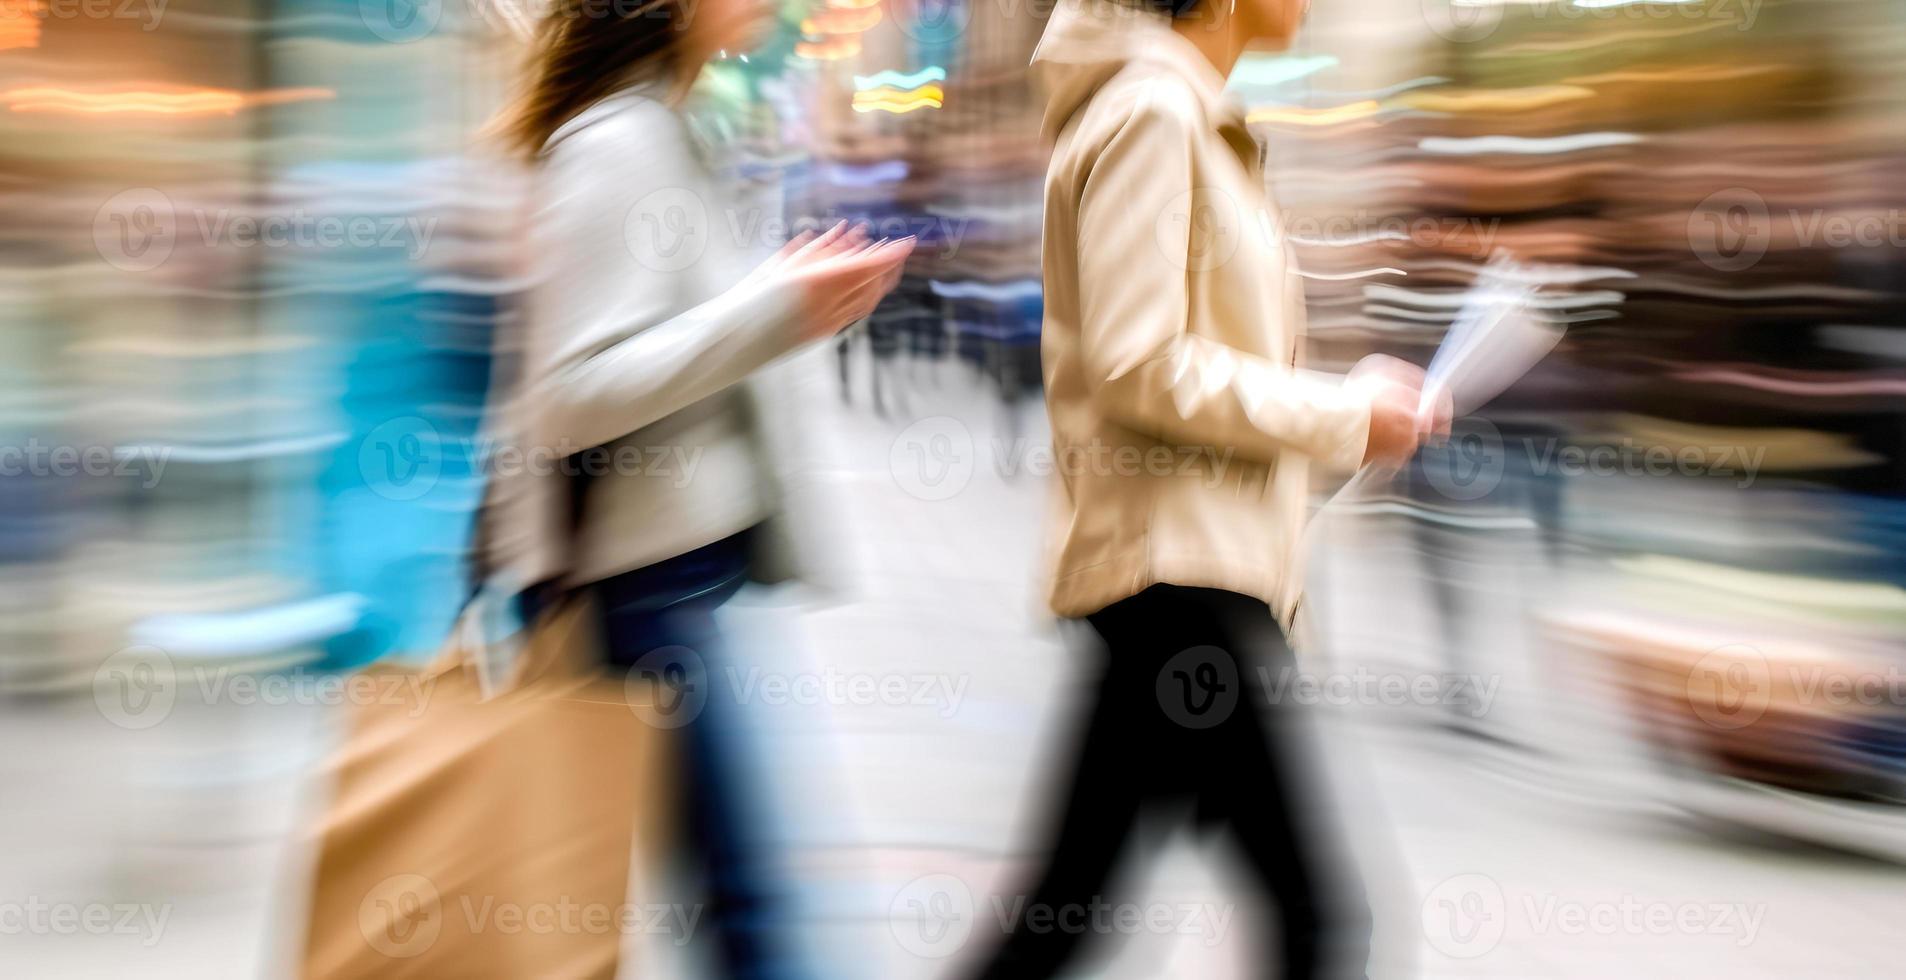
[{"x": 1089, "y": 32}]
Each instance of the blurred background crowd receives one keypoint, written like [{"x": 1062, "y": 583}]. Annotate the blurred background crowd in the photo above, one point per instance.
[{"x": 1636, "y": 634}]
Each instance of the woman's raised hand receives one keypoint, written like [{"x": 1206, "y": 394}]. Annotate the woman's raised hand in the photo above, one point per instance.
[{"x": 839, "y": 276}]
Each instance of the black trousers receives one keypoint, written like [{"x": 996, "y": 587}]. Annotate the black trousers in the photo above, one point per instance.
[{"x": 1182, "y": 721}]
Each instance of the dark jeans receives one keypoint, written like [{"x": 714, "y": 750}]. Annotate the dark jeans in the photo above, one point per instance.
[
  {"x": 662, "y": 618},
  {"x": 1182, "y": 716}
]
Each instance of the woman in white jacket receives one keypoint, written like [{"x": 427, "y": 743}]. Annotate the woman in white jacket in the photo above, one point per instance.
[{"x": 642, "y": 475}]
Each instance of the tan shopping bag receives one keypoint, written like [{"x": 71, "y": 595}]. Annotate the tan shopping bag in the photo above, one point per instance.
[{"x": 471, "y": 838}]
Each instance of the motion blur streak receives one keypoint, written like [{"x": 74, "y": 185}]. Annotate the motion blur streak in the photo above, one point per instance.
[
  {"x": 1610, "y": 684},
  {"x": 191, "y": 102}
]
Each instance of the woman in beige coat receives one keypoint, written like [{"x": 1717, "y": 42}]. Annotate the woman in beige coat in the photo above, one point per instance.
[{"x": 1186, "y": 429}]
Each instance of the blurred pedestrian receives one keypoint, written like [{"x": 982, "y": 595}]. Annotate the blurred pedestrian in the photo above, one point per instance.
[
  {"x": 1172, "y": 327},
  {"x": 644, "y": 322}
]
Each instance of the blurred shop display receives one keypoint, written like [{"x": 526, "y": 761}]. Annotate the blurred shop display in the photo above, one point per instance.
[
  {"x": 1686, "y": 516},
  {"x": 927, "y": 126},
  {"x": 253, "y": 263}
]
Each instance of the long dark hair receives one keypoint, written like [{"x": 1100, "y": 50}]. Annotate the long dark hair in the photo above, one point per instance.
[{"x": 587, "y": 49}]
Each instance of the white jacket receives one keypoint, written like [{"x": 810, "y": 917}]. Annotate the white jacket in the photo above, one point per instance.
[{"x": 635, "y": 337}]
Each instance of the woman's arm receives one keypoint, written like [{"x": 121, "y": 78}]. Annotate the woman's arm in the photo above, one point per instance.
[
  {"x": 1152, "y": 373},
  {"x": 624, "y": 230}
]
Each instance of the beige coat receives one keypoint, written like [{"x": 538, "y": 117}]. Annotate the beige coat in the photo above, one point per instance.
[{"x": 1183, "y": 426}]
